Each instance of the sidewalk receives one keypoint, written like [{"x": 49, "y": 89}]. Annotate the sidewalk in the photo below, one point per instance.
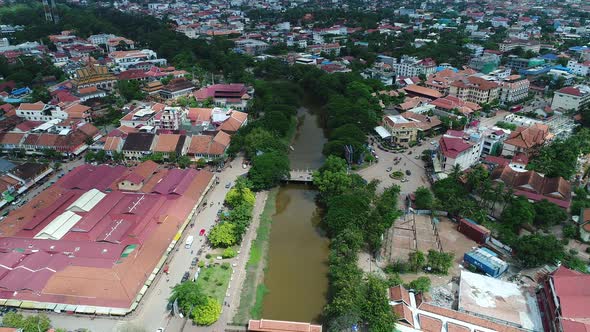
[{"x": 239, "y": 272}]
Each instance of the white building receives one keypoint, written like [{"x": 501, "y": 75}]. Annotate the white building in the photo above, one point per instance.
[
  {"x": 40, "y": 111},
  {"x": 411, "y": 66},
  {"x": 571, "y": 98},
  {"x": 127, "y": 59},
  {"x": 100, "y": 39},
  {"x": 580, "y": 69},
  {"x": 454, "y": 149}
]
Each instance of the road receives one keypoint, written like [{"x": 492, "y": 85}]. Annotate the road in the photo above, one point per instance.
[
  {"x": 151, "y": 313},
  {"x": 37, "y": 189},
  {"x": 418, "y": 177},
  {"x": 239, "y": 273}
]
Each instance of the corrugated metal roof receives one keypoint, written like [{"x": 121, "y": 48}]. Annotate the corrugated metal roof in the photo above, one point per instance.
[
  {"x": 59, "y": 226},
  {"x": 87, "y": 201}
]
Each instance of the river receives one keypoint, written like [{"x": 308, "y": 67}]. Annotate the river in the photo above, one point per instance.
[{"x": 297, "y": 267}]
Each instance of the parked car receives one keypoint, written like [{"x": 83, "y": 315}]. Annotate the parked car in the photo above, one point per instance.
[
  {"x": 202, "y": 232},
  {"x": 185, "y": 276},
  {"x": 228, "y": 185},
  {"x": 408, "y": 172},
  {"x": 388, "y": 169},
  {"x": 194, "y": 261}
]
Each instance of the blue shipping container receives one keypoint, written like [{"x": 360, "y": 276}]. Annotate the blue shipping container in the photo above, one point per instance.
[{"x": 486, "y": 262}]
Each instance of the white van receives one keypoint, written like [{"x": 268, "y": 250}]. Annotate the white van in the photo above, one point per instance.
[{"x": 189, "y": 242}]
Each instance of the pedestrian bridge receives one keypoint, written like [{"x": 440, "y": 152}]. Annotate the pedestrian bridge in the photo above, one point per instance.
[{"x": 301, "y": 175}]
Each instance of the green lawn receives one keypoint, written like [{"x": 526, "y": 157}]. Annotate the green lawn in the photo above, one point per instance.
[
  {"x": 253, "y": 289},
  {"x": 214, "y": 280}
]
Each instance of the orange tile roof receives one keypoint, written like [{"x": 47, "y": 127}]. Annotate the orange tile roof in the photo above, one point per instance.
[
  {"x": 11, "y": 138},
  {"x": 112, "y": 143},
  {"x": 429, "y": 324},
  {"x": 266, "y": 325},
  {"x": 222, "y": 138},
  {"x": 166, "y": 143},
  {"x": 416, "y": 89},
  {"x": 38, "y": 106}
]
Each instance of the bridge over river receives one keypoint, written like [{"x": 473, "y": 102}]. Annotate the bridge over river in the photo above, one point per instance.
[{"x": 300, "y": 175}]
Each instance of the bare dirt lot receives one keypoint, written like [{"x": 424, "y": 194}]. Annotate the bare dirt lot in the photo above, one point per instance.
[{"x": 409, "y": 235}]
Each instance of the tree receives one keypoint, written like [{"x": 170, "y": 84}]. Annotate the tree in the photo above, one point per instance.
[
  {"x": 421, "y": 285},
  {"x": 229, "y": 253},
  {"x": 184, "y": 161},
  {"x": 189, "y": 295},
  {"x": 41, "y": 94},
  {"x": 33, "y": 323},
  {"x": 424, "y": 198},
  {"x": 223, "y": 235},
  {"x": 89, "y": 156},
  {"x": 417, "y": 260},
  {"x": 268, "y": 170},
  {"x": 548, "y": 214},
  {"x": 207, "y": 313},
  {"x": 376, "y": 311},
  {"x": 332, "y": 178},
  {"x": 439, "y": 262},
  {"x": 536, "y": 250},
  {"x": 520, "y": 211},
  {"x": 130, "y": 90},
  {"x": 240, "y": 194}
]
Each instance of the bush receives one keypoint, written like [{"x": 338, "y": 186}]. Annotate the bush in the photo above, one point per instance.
[
  {"x": 398, "y": 267},
  {"x": 225, "y": 266},
  {"x": 208, "y": 256},
  {"x": 570, "y": 231},
  {"x": 207, "y": 313},
  {"x": 421, "y": 285},
  {"x": 201, "y": 264},
  {"x": 587, "y": 250},
  {"x": 229, "y": 253}
]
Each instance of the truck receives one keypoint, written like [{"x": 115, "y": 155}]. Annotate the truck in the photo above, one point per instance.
[
  {"x": 189, "y": 242},
  {"x": 472, "y": 230}
]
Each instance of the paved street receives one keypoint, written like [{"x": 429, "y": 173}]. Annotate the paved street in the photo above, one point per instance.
[
  {"x": 32, "y": 192},
  {"x": 235, "y": 284},
  {"x": 151, "y": 313},
  {"x": 408, "y": 162}
]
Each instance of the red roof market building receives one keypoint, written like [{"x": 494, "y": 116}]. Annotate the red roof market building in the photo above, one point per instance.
[
  {"x": 564, "y": 299},
  {"x": 70, "y": 247}
]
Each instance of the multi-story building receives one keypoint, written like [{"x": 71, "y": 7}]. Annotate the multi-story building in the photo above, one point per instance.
[
  {"x": 328, "y": 48},
  {"x": 526, "y": 45},
  {"x": 138, "y": 145},
  {"x": 40, "y": 111},
  {"x": 571, "y": 98},
  {"x": 475, "y": 89},
  {"x": 526, "y": 140},
  {"x": 143, "y": 116},
  {"x": 125, "y": 60},
  {"x": 411, "y": 66},
  {"x": 233, "y": 95},
  {"x": 485, "y": 63},
  {"x": 513, "y": 89},
  {"x": 457, "y": 148},
  {"x": 251, "y": 46},
  {"x": 516, "y": 63},
  {"x": 401, "y": 130},
  {"x": 562, "y": 296},
  {"x": 177, "y": 87},
  {"x": 94, "y": 76},
  {"x": 579, "y": 68}
]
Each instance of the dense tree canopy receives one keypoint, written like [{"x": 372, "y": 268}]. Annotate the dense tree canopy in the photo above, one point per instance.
[{"x": 188, "y": 295}]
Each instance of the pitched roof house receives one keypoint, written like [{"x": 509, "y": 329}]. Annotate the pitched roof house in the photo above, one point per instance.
[
  {"x": 534, "y": 186},
  {"x": 526, "y": 140}
]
